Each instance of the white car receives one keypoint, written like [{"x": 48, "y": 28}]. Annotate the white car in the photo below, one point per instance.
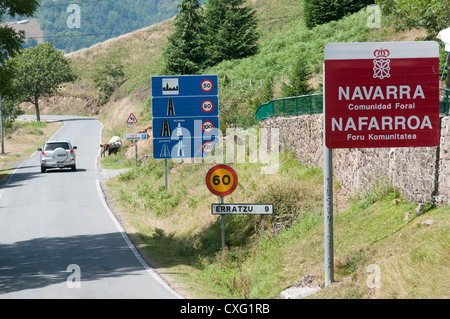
[{"x": 57, "y": 154}]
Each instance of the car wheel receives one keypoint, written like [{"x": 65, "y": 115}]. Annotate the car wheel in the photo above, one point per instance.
[
  {"x": 43, "y": 169},
  {"x": 74, "y": 168}
]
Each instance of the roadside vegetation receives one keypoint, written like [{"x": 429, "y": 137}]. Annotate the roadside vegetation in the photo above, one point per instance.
[
  {"x": 21, "y": 139},
  {"x": 176, "y": 232}
]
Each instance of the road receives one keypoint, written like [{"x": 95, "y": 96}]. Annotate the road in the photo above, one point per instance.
[{"x": 58, "y": 238}]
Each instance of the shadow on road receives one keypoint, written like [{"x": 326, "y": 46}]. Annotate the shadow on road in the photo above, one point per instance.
[
  {"x": 18, "y": 177},
  {"x": 18, "y": 168},
  {"x": 63, "y": 170},
  {"x": 41, "y": 262}
]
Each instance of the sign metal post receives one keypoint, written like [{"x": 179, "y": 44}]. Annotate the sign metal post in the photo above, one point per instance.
[
  {"x": 222, "y": 226},
  {"x": 221, "y": 180},
  {"x": 328, "y": 215},
  {"x": 136, "y": 137},
  {"x": 165, "y": 172},
  {"x": 136, "y": 152}
]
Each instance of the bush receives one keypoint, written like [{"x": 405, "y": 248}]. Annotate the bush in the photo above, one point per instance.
[
  {"x": 298, "y": 82},
  {"x": 107, "y": 78}
]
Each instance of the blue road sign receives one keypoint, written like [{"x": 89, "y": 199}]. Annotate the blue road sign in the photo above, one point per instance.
[
  {"x": 184, "y": 85},
  {"x": 186, "y": 127},
  {"x": 185, "y": 111},
  {"x": 185, "y": 106},
  {"x": 183, "y": 147}
]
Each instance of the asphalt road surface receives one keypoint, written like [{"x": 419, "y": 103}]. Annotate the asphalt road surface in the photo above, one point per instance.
[{"x": 58, "y": 238}]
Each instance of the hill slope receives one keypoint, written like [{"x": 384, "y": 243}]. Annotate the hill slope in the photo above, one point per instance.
[{"x": 175, "y": 229}]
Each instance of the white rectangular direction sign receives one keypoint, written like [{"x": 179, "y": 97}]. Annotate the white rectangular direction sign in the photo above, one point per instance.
[
  {"x": 136, "y": 136},
  {"x": 244, "y": 209}
]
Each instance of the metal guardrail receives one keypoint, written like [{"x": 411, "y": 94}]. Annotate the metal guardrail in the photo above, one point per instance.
[{"x": 308, "y": 104}]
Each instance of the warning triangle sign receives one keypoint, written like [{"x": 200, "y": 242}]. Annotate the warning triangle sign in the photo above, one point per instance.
[{"x": 132, "y": 119}]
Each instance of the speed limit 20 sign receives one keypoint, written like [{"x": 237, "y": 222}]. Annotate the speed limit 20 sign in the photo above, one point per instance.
[{"x": 221, "y": 180}]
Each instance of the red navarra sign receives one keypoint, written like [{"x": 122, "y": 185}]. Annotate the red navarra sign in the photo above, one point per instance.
[{"x": 383, "y": 94}]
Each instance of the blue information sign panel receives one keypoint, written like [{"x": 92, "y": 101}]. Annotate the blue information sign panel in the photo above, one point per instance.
[
  {"x": 185, "y": 111},
  {"x": 186, "y": 127},
  {"x": 184, "y": 85},
  {"x": 185, "y": 106}
]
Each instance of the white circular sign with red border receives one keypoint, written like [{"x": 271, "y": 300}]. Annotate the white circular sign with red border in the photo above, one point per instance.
[
  {"x": 207, "y": 106},
  {"x": 207, "y": 126},
  {"x": 206, "y": 85},
  {"x": 208, "y": 147}
]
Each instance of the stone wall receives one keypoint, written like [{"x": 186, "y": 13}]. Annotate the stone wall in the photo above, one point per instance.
[{"x": 417, "y": 172}]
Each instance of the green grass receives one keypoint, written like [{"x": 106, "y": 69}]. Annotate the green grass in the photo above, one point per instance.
[
  {"x": 177, "y": 232},
  {"x": 117, "y": 161},
  {"x": 179, "y": 241},
  {"x": 33, "y": 128}
]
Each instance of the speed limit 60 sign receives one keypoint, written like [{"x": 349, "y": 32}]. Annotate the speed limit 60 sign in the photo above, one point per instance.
[{"x": 221, "y": 180}]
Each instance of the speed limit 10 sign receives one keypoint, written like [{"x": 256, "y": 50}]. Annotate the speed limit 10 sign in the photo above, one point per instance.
[{"x": 221, "y": 180}]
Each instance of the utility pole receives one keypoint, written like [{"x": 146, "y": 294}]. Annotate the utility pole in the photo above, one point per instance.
[{"x": 1, "y": 124}]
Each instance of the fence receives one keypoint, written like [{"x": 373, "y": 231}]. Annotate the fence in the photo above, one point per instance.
[
  {"x": 303, "y": 104},
  {"x": 308, "y": 104},
  {"x": 444, "y": 100}
]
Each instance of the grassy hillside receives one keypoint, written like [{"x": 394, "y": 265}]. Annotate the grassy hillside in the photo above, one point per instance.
[
  {"x": 175, "y": 229},
  {"x": 181, "y": 238}
]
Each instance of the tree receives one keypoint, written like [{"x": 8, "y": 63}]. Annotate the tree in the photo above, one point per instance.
[
  {"x": 432, "y": 15},
  {"x": 230, "y": 30},
  {"x": 10, "y": 43},
  {"x": 39, "y": 71},
  {"x": 107, "y": 78},
  {"x": 184, "y": 53},
  {"x": 298, "y": 84},
  {"x": 31, "y": 42},
  {"x": 318, "y": 12},
  {"x": 9, "y": 96},
  {"x": 10, "y": 40}
]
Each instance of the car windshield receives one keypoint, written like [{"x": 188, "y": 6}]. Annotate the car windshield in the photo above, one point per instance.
[{"x": 54, "y": 146}]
